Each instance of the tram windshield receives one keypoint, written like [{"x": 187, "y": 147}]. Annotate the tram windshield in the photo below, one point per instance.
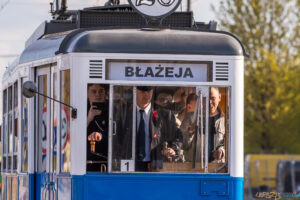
[{"x": 157, "y": 129}]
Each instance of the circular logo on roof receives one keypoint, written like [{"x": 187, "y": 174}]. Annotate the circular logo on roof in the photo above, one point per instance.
[{"x": 155, "y": 8}]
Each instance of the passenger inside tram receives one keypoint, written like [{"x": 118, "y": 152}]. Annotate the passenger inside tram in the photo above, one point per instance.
[
  {"x": 216, "y": 134},
  {"x": 97, "y": 127},
  {"x": 188, "y": 129},
  {"x": 180, "y": 96},
  {"x": 157, "y": 137},
  {"x": 159, "y": 144},
  {"x": 163, "y": 98}
]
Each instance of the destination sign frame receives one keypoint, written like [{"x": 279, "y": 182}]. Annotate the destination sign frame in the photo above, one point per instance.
[
  {"x": 158, "y": 70},
  {"x": 155, "y": 8}
]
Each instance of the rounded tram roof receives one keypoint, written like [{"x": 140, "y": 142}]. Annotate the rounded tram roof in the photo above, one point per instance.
[{"x": 165, "y": 41}]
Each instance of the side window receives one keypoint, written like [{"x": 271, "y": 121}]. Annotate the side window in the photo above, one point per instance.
[
  {"x": 10, "y": 128},
  {"x": 15, "y": 129},
  {"x": 24, "y": 132},
  {"x": 65, "y": 122},
  {"x": 55, "y": 119},
  {"x": 4, "y": 130},
  {"x": 97, "y": 128}
]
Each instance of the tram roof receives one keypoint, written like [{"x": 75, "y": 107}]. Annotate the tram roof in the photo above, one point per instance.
[{"x": 146, "y": 41}]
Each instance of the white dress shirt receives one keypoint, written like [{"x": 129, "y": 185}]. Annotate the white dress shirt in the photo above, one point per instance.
[{"x": 146, "y": 116}]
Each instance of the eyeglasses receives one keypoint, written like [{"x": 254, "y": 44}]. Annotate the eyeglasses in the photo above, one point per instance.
[{"x": 165, "y": 99}]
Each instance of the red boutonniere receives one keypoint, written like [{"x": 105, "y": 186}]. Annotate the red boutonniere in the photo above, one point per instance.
[
  {"x": 155, "y": 136},
  {"x": 155, "y": 115}
]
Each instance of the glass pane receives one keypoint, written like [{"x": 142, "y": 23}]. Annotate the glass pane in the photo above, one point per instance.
[
  {"x": 15, "y": 94},
  {"x": 65, "y": 122},
  {"x": 16, "y": 133},
  {"x": 16, "y": 116},
  {"x": 42, "y": 123},
  {"x": 25, "y": 133},
  {"x": 10, "y": 121},
  {"x": 97, "y": 127},
  {"x": 15, "y": 162},
  {"x": 10, "y": 98},
  {"x": 4, "y": 134},
  {"x": 9, "y": 162},
  {"x": 218, "y": 124},
  {"x": 4, "y": 162},
  {"x": 4, "y": 101},
  {"x": 55, "y": 118},
  {"x": 10, "y": 133},
  {"x": 122, "y": 154}
]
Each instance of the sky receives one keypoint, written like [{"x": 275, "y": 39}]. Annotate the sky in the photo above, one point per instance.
[{"x": 19, "y": 18}]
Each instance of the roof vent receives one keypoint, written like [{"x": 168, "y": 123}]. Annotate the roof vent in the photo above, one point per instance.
[
  {"x": 96, "y": 70},
  {"x": 222, "y": 71}
]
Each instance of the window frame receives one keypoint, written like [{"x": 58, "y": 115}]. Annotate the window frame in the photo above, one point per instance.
[
  {"x": 4, "y": 131},
  {"x": 206, "y": 93},
  {"x": 22, "y": 98}
]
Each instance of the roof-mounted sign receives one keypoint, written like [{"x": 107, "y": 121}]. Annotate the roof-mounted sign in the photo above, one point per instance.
[{"x": 155, "y": 8}]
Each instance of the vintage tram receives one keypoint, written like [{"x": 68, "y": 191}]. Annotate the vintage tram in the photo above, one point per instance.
[{"x": 93, "y": 69}]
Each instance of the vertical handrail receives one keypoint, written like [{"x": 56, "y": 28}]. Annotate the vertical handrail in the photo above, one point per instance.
[
  {"x": 201, "y": 128},
  {"x": 196, "y": 115},
  {"x": 111, "y": 101},
  {"x": 134, "y": 125},
  {"x": 206, "y": 132}
]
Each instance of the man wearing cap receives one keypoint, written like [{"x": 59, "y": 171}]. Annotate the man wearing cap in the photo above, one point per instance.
[{"x": 157, "y": 137}]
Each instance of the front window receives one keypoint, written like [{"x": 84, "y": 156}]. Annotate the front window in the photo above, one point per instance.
[{"x": 157, "y": 129}]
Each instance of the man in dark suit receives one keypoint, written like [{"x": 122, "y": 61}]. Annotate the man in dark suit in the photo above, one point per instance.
[{"x": 157, "y": 136}]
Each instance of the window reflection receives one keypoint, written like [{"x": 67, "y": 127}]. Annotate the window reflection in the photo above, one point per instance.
[
  {"x": 25, "y": 132},
  {"x": 162, "y": 130},
  {"x": 97, "y": 128},
  {"x": 65, "y": 122}
]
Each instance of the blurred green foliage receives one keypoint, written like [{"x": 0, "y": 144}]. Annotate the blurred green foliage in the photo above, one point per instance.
[{"x": 270, "y": 31}]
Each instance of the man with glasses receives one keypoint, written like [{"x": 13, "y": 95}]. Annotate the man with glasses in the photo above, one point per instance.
[{"x": 157, "y": 136}]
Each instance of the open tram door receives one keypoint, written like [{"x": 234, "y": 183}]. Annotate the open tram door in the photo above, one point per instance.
[{"x": 46, "y": 132}]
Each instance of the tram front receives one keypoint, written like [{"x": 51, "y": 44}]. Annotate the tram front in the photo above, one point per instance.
[
  {"x": 148, "y": 111},
  {"x": 160, "y": 114}
]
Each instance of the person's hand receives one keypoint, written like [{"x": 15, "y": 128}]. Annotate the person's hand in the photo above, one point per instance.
[
  {"x": 218, "y": 154},
  {"x": 92, "y": 113},
  {"x": 168, "y": 152},
  {"x": 95, "y": 136}
]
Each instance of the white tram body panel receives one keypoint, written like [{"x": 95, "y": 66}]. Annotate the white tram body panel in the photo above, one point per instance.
[{"x": 80, "y": 71}]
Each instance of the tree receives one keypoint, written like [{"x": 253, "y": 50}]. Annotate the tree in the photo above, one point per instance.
[{"x": 270, "y": 32}]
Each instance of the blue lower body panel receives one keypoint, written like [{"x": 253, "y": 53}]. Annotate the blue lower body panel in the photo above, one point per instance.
[
  {"x": 150, "y": 186},
  {"x": 123, "y": 186}
]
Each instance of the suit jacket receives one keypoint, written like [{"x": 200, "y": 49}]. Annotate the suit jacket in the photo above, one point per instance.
[{"x": 162, "y": 128}]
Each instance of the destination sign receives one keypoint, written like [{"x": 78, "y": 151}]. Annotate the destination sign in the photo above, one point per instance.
[
  {"x": 144, "y": 71},
  {"x": 155, "y": 8}
]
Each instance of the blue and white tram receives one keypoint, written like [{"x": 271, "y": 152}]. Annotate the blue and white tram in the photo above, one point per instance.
[{"x": 47, "y": 152}]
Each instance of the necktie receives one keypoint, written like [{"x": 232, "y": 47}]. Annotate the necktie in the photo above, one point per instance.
[{"x": 141, "y": 137}]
